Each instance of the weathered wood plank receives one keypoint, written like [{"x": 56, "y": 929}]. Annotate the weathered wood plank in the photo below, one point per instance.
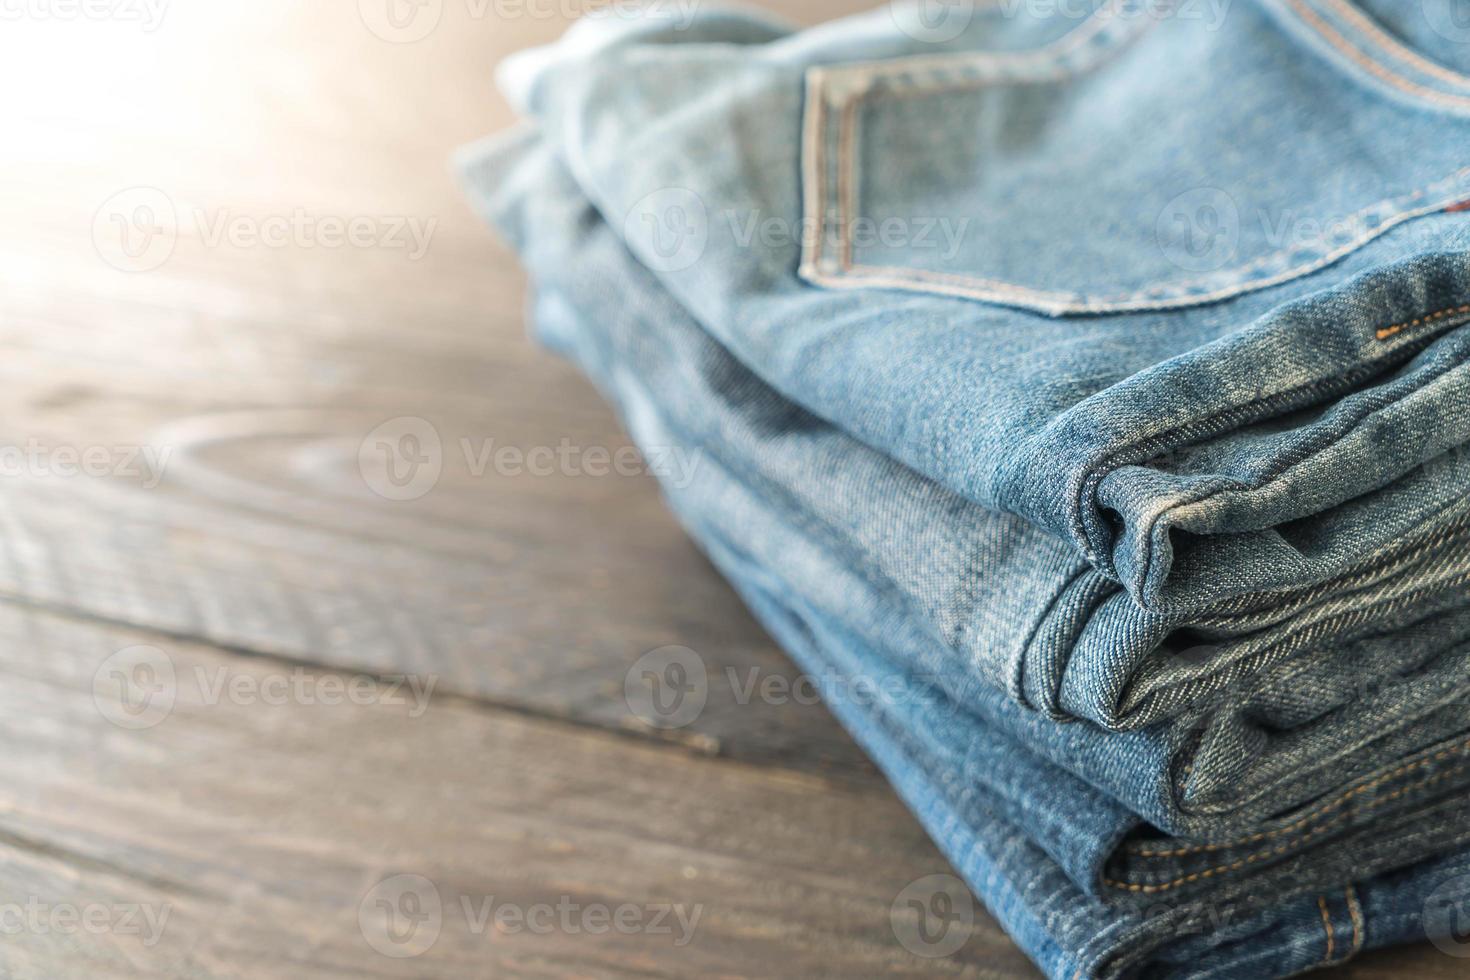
[
  {"x": 223, "y": 816},
  {"x": 256, "y": 373},
  {"x": 256, "y": 827}
]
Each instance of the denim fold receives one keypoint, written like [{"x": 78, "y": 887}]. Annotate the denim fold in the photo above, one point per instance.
[{"x": 1168, "y": 584}]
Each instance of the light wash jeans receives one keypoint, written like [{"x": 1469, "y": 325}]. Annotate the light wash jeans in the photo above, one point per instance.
[{"x": 1286, "y": 685}]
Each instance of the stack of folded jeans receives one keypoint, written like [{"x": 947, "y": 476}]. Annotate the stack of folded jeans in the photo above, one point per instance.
[{"x": 1094, "y": 381}]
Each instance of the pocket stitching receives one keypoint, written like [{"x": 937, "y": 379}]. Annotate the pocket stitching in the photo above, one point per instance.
[
  {"x": 814, "y": 138},
  {"x": 850, "y": 274},
  {"x": 1365, "y": 60}
]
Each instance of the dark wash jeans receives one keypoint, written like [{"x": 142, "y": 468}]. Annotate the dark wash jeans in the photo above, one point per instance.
[{"x": 1284, "y": 723}]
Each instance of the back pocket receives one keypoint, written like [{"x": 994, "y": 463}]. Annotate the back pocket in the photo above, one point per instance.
[{"x": 1138, "y": 162}]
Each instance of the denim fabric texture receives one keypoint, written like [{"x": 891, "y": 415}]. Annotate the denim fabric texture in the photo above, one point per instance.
[{"x": 1149, "y": 501}]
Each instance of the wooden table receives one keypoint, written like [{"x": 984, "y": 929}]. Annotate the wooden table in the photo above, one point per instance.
[{"x": 217, "y": 761}]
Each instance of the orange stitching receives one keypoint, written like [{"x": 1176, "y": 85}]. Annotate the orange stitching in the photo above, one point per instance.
[
  {"x": 1331, "y": 805},
  {"x": 1381, "y": 72},
  {"x": 1278, "y": 849},
  {"x": 884, "y": 274},
  {"x": 1356, "y": 914},
  {"x": 1327, "y": 928},
  {"x": 1387, "y": 43},
  {"x": 1398, "y": 328},
  {"x": 1058, "y": 49},
  {"x": 965, "y": 285}
]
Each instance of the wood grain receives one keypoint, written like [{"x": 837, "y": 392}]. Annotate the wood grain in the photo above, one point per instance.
[
  {"x": 254, "y": 830},
  {"x": 258, "y": 549}
]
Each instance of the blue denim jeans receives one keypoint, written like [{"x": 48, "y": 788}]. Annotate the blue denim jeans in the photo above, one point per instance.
[
  {"x": 1275, "y": 727},
  {"x": 1211, "y": 322},
  {"x": 1214, "y": 481}
]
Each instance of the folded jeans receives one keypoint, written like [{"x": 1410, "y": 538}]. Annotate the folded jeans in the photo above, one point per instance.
[
  {"x": 1167, "y": 570},
  {"x": 978, "y": 770}
]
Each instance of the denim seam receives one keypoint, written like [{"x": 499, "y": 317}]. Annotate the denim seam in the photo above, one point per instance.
[
  {"x": 1151, "y": 297},
  {"x": 1257, "y": 666},
  {"x": 1400, "y": 725},
  {"x": 1327, "y": 928},
  {"x": 1355, "y": 914},
  {"x": 1390, "y": 562},
  {"x": 1411, "y": 600},
  {"x": 1279, "y": 849},
  {"x": 1368, "y": 63},
  {"x": 1459, "y": 748},
  {"x": 1332, "y": 805},
  {"x": 1089, "y": 478},
  {"x": 1389, "y": 44},
  {"x": 1388, "y": 332},
  {"x": 816, "y": 140},
  {"x": 1150, "y": 533},
  {"x": 1255, "y": 275}
]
